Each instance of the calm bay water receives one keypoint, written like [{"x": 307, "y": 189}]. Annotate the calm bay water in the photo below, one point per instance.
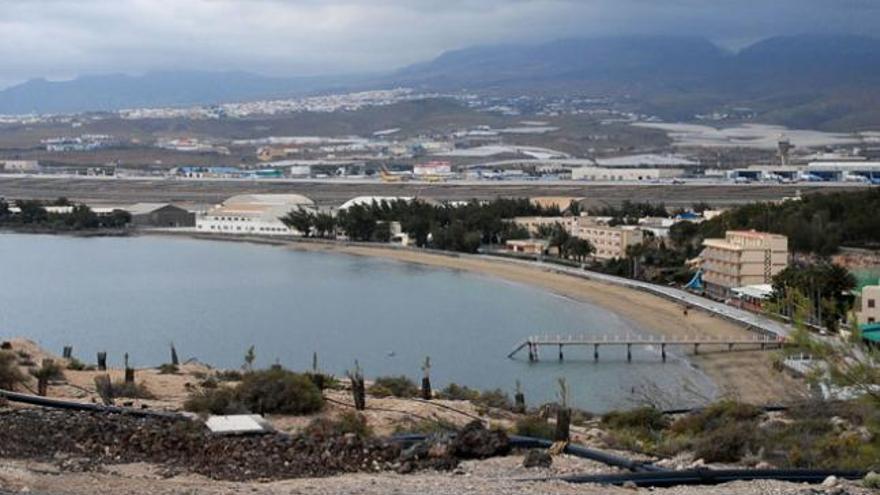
[{"x": 215, "y": 299}]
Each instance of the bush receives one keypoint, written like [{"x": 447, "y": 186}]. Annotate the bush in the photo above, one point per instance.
[
  {"x": 347, "y": 422},
  {"x": 168, "y": 369},
  {"x": 644, "y": 419},
  {"x": 221, "y": 400},
  {"x": 728, "y": 443},
  {"x": 497, "y": 399},
  {"x": 76, "y": 365},
  {"x": 279, "y": 391},
  {"x": 454, "y": 391},
  {"x": 716, "y": 416},
  {"x": 131, "y": 390},
  {"x": 10, "y": 375},
  {"x": 228, "y": 376},
  {"x": 209, "y": 382},
  {"x": 425, "y": 426},
  {"x": 534, "y": 426},
  {"x": 398, "y": 386},
  {"x": 50, "y": 370}
]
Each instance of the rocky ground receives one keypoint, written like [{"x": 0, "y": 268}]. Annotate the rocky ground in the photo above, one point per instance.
[{"x": 65, "y": 452}]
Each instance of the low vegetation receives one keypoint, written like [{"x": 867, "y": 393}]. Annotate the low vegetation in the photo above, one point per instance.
[
  {"x": 497, "y": 399},
  {"x": 271, "y": 391},
  {"x": 841, "y": 435},
  {"x": 394, "y": 386},
  {"x": 535, "y": 426},
  {"x": 50, "y": 370},
  {"x": 34, "y": 215},
  {"x": 10, "y": 375},
  {"x": 349, "y": 422},
  {"x": 125, "y": 390},
  {"x": 75, "y": 364}
]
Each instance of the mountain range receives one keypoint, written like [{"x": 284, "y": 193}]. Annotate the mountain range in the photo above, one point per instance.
[{"x": 821, "y": 81}]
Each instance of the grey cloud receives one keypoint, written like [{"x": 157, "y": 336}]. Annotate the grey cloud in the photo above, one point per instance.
[{"x": 58, "y": 38}]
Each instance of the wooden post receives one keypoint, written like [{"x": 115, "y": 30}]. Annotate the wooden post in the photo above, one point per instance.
[
  {"x": 519, "y": 403},
  {"x": 696, "y": 349},
  {"x": 560, "y": 352},
  {"x": 42, "y": 385},
  {"x": 360, "y": 393},
  {"x": 67, "y": 353},
  {"x": 174, "y": 360},
  {"x": 426, "y": 379},
  {"x": 102, "y": 361},
  {"x": 563, "y": 424},
  {"x": 129, "y": 372},
  {"x": 104, "y": 388},
  {"x": 358, "y": 389},
  {"x": 629, "y": 354},
  {"x": 426, "y": 388},
  {"x": 663, "y": 351},
  {"x": 595, "y": 352},
  {"x": 730, "y": 347}
]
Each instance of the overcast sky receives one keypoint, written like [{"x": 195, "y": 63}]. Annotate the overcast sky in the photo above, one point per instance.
[{"x": 62, "y": 38}]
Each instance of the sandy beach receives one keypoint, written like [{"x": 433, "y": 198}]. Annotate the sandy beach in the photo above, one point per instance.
[{"x": 744, "y": 375}]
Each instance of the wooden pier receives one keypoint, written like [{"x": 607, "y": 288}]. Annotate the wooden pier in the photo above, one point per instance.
[{"x": 533, "y": 344}]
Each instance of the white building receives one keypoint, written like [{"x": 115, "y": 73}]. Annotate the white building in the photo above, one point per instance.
[
  {"x": 23, "y": 166},
  {"x": 253, "y": 214},
  {"x": 369, "y": 200},
  {"x": 609, "y": 242},
  {"x": 624, "y": 174}
]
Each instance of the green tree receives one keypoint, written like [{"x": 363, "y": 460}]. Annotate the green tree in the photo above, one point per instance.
[
  {"x": 300, "y": 220},
  {"x": 32, "y": 212},
  {"x": 559, "y": 238},
  {"x": 81, "y": 217},
  {"x": 325, "y": 225},
  {"x": 382, "y": 232}
]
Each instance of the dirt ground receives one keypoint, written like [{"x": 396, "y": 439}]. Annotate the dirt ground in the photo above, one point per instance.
[{"x": 502, "y": 475}]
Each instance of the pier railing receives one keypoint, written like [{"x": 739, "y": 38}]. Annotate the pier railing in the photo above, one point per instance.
[{"x": 535, "y": 343}]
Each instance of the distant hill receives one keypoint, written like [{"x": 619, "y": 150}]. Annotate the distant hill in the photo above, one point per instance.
[
  {"x": 817, "y": 81},
  {"x": 822, "y": 81},
  {"x": 166, "y": 88}
]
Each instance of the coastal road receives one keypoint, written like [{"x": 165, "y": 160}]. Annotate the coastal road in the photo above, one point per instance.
[{"x": 333, "y": 192}]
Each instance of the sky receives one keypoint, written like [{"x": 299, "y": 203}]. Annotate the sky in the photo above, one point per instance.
[{"x": 59, "y": 39}]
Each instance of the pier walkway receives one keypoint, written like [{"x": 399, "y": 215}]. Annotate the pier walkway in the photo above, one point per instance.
[{"x": 534, "y": 344}]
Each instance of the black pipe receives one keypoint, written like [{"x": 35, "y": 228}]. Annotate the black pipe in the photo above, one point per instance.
[
  {"x": 708, "y": 477},
  {"x": 36, "y": 400},
  {"x": 575, "y": 450},
  {"x": 587, "y": 453},
  {"x": 688, "y": 410}
]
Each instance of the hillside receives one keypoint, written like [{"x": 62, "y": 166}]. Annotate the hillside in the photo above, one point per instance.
[
  {"x": 166, "y": 88},
  {"x": 815, "y": 81}
]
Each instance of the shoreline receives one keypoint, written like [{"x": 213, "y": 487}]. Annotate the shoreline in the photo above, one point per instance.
[{"x": 743, "y": 375}]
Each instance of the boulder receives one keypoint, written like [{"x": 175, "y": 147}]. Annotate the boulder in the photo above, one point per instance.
[
  {"x": 474, "y": 441},
  {"x": 537, "y": 458}
]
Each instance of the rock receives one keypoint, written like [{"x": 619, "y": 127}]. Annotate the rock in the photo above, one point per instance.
[
  {"x": 416, "y": 452},
  {"x": 865, "y": 435},
  {"x": 474, "y": 441},
  {"x": 871, "y": 480},
  {"x": 830, "y": 482},
  {"x": 763, "y": 465},
  {"x": 697, "y": 464},
  {"x": 630, "y": 485},
  {"x": 537, "y": 458},
  {"x": 839, "y": 424},
  {"x": 598, "y": 435},
  {"x": 440, "y": 450}
]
